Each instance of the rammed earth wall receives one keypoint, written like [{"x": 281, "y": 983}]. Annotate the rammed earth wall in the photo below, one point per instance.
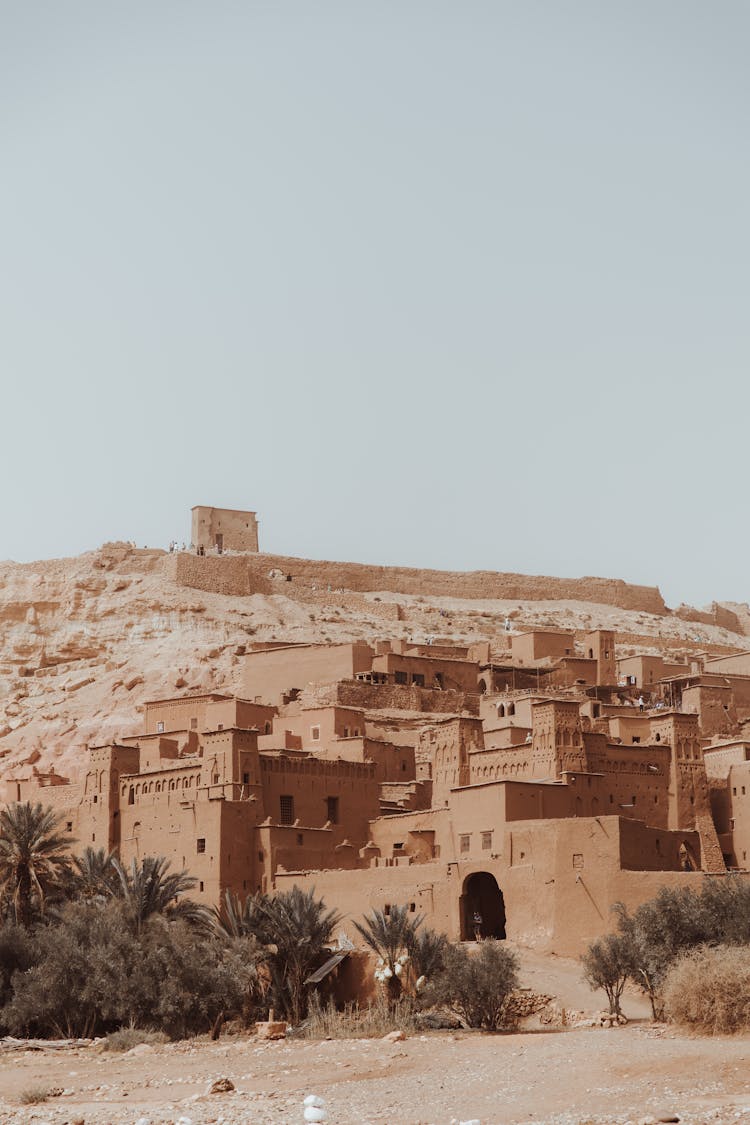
[{"x": 241, "y": 575}]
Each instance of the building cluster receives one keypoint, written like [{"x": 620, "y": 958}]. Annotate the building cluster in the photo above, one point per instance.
[{"x": 534, "y": 789}]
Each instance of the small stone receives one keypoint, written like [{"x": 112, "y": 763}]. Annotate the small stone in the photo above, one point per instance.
[{"x": 220, "y": 1086}]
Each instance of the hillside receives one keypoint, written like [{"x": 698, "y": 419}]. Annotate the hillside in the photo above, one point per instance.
[{"x": 85, "y": 641}]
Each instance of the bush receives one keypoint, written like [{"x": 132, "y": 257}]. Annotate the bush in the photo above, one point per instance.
[
  {"x": 667, "y": 927},
  {"x": 607, "y": 964},
  {"x": 477, "y": 985},
  {"x": 34, "y": 1095},
  {"x": 355, "y": 1022},
  {"x": 93, "y": 974},
  {"x": 128, "y": 1037},
  {"x": 708, "y": 990}
]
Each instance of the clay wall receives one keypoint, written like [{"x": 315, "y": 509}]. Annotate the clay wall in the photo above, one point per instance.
[
  {"x": 714, "y": 706},
  {"x": 310, "y": 782},
  {"x": 228, "y": 575},
  {"x": 356, "y": 577},
  {"x": 390, "y": 697},
  {"x": 736, "y": 664},
  {"x": 392, "y": 763},
  {"x": 499, "y": 763},
  {"x": 442, "y": 753},
  {"x": 319, "y": 728},
  {"x": 576, "y": 861},
  {"x": 738, "y": 799},
  {"x": 541, "y": 647},
  {"x": 719, "y": 759},
  {"x": 188, "y": 712},
  {"x": 239, "y": 713},
  {"x": 573, "y": 670},
  {"x": 429, "y": 672},
  {"x": 269, "y": 673}
]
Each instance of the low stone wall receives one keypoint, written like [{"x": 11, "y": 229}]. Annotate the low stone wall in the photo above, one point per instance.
[
  {"x": 219, "y": 574},
  {"x": 390, "y": 697},
  {"x": 243, "y": 574}
]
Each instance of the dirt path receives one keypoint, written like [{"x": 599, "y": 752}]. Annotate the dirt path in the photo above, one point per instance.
[{"x": 580, "y": 1076}]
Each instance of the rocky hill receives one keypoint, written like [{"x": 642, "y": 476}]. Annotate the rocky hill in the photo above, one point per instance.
[{"x": 85, "y": 641}]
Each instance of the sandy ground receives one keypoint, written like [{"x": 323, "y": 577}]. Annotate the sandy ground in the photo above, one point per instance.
[{"x": 580, "y": 1076}]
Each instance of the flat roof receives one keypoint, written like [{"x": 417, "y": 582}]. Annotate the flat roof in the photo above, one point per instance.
[
  {"x": 213, "y": 508},
  {"x": 213, "y": 695}
]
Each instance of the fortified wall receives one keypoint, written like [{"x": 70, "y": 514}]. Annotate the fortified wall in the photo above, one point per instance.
[{"x": 242, "y": 575}]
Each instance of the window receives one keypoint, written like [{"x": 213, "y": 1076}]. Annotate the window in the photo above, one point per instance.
[
  {"x": 464, "y": 844},
  {"x": 486, "y": 841},
  {"x": 636, "y": 738},
  {"x": 260, "y": 857},
  {"x": 734, "y": 790},
  {"x": 346, "y": 732},
  {"x": 246, "y": 779},
  {"x": 400, "y": 677},
  {"x": 412, "y": 907},
  {"x": 220, "y": 726},
  {"x": 315, "y": 734},
  {"x": 216, "y": 779},
  {"x": 96, "y": 798},
  {"x": 286, "y": 810},
  {"x": 160, "y": 728},
  {"x": 266, "y": 728},
  {"x": 201, "y": 845},
  {"x": 300, "y": 839},
  {"x": 131, "y": 796},
  {"x": 69, "y": 826},
  {"x": 332, "y": 809},
  {"x": 743, "y": 792},
  {"x": 387, "y": 910},
  {"x": 193, "y": 724},
  {"x": 200, "y": 885},
  {"x": 418, "y": 680}
]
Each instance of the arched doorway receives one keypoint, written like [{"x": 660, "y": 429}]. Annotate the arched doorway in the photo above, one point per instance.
[{"x": 482, "y": 895}]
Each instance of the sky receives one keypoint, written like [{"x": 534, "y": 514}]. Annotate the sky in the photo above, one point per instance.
[{"x": 460, "y": 285}]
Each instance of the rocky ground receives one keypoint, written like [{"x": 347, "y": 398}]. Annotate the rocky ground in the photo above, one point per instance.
[{"x": 635, "y": 1074}]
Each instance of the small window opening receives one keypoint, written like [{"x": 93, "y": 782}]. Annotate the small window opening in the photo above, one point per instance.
[{"x": 200, "y": 845}]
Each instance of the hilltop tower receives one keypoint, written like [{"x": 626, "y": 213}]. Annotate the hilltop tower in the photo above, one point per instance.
[{"x": 224, "y": 529}]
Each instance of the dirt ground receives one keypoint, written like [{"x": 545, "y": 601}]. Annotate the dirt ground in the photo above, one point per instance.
[{"x": 632, "y": 1074}]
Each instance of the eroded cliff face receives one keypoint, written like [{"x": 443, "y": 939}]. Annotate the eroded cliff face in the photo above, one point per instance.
[{"x": 85, "y": 641}]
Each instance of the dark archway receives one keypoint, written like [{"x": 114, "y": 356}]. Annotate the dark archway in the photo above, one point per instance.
[{"x": 482, "y": 895}]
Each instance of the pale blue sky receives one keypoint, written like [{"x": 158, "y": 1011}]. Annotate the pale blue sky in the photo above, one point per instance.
[{"x": 446, "y": 284}]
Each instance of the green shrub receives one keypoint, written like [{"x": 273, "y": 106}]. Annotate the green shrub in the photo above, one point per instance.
[
  {"x": 607, "y": 964},
  {"x": 477, "y": 985},
  {"x": 677, "y": 920},
  {"x": 708, "y": 990},
  {"x": 93, "y": 974}
]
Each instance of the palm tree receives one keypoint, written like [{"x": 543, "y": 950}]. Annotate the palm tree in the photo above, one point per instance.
[
  {"x": 94, "y": 873},
  {"x": 33, "y": 857},
  {"x": 392, "y": 937},
  {"x": 295, "y": 927},
  {"x": 238, "y": 919},
  {"x": 149, "y": 888}
]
